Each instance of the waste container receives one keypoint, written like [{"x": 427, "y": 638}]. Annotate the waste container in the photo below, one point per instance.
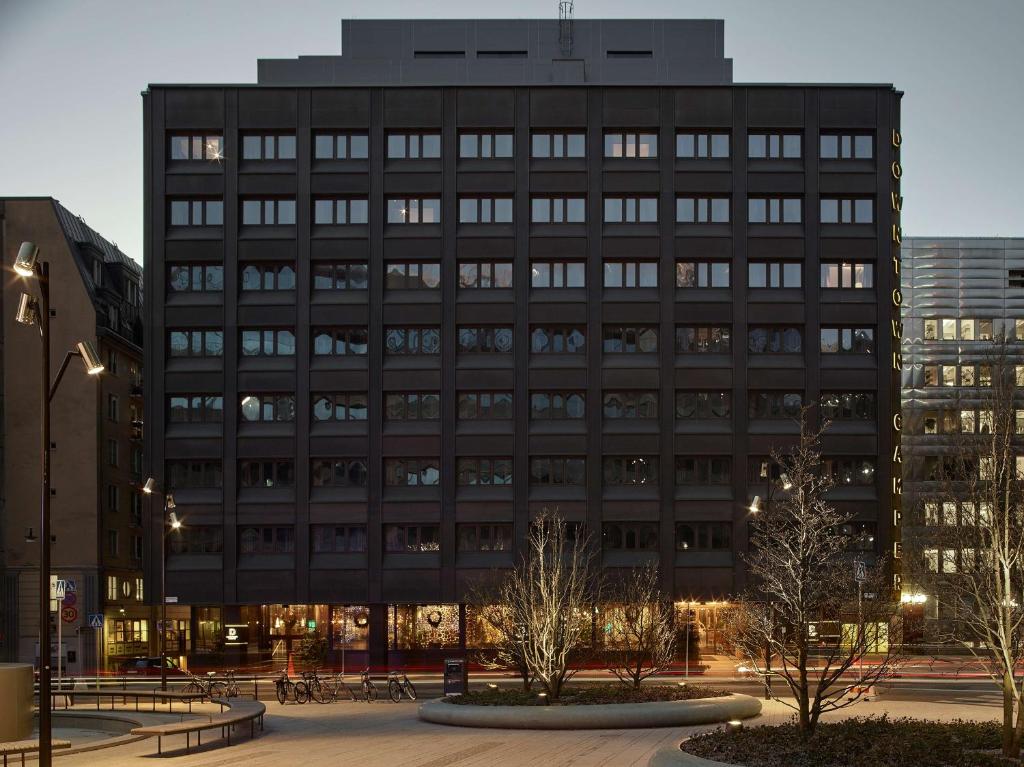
[{"x": 456, "y": 679}]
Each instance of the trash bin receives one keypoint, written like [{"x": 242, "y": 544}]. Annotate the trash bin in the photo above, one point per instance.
[{"x": 456, "y": 680}]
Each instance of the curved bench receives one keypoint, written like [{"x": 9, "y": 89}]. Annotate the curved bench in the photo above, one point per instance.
[
  {"x": 614, "y": 716},
  {"x": 239, "y": 712},
  {"x": 15, "y": 747},
  {"x": 164, "y": 696}
]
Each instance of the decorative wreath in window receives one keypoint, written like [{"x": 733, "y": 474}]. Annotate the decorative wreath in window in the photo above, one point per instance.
[
  {"x": 434, "y": 618},
  {"x": 362, "y": 620}
]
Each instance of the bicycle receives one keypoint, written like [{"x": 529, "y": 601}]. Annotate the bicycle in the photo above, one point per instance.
[
  {"x": 287, "y": 688},
  {"x": 397, "y": 686},
  {"x": 231, "y": 688},
  {"x": 369, "y": 688},
  {"x": 321, "y": 690},
  {"x": 207, "y": 688}
]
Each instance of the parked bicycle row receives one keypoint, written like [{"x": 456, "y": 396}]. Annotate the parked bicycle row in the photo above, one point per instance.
[{"x": 332, "y": 687}]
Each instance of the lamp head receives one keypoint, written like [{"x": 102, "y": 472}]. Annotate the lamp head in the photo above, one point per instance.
[
  {"x": 28, "y": 310},
  {"x": 25, "y": 263},
  {"x": 785, "y": 480},
  {"x": 90, "y": 359},
  {"x": 150, "y": 486},
  {"x": 755, "y": 505},
  {"x": 174, "y": 521},
  {"x": 169, "y": 502}
]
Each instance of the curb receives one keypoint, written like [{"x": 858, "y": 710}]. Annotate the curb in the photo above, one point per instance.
[
  {"x": 606, "y": 716},
  {"x": 672, "y": 756}
]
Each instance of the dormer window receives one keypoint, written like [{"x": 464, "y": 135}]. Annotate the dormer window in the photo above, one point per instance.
[{"x": 97, "y": 272}]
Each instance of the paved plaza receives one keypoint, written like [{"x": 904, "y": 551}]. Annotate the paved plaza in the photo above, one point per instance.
[{"x": 386, "y": 733}]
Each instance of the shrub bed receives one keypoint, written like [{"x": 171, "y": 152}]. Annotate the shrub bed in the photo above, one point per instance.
[
  {"x": 587, "y": 695},
  {"x": 875, "y": 741}
]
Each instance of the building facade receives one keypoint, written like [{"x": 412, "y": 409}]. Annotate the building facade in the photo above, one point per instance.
[
  {"x": 96, "y": 293},
  {"x": 402, "y": 299},
  {"x": 960, "y": 296}
]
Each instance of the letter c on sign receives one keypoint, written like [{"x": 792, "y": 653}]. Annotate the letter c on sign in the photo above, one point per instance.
[{"x": 897, "y": 421}]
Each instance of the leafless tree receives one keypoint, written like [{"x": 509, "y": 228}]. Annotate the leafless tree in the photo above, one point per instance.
[
  {"x": 969, "y": 551},
  {"x": 508, "y": 650},
  {"x": 549, "y": 598},
  {"x": 804, "y": 578},
  {"x": 641, "y": 639}
]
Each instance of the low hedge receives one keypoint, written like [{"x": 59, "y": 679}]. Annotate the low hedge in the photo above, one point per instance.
[
  {"x": 587, "y": 695},
  {"x": 874, "y": 741}
]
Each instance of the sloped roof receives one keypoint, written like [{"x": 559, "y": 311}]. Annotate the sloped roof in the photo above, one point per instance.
[{"x": 77, "y": 231}]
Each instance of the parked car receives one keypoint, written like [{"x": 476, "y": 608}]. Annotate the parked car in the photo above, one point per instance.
[{"x": 149, "y": 667}]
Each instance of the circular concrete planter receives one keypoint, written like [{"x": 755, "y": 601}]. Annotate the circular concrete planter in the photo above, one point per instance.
[
  {"x": 606, "y": 716},
  {"x": 673, "y": 757}
]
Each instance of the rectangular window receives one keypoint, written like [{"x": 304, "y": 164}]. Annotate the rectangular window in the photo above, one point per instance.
[
  {"x": 196, "y": 147},
  {"x": 265, "y": 212},
  {"x": 340, "y": 342},
  {"x": 339, "y": 406},
  {"x": 341, "y": 146},
  {"x": 484, "y": 537},
  {"x": 557, "y": 405},
  {"x": 401, "y": 539},
  {"x": 702, "y": 210},
  {"x": 195, "y": 343},
  {"x": 847, "y": 341},
  {"x": 703, "y": 536},
  {"x": 485, "y": 274},
  {"x": 412, "y": 472},
  {"x": 271, "y": 342},
  {"x": 699, "y": 405},
  {"x": 847, "y": 146},
  {"x": 848, "y": 406},
  {"x": 774, "y": 210},
  {"x": 195, "y": 408},
  {"x": 483, "y": 471},
  {"x": 113, "y": 408},
  {"x": 774, "y": 145},
  {"x": 268, "y": 276},
  {"x": 774, "y": 404},
  {"x": 484, "y": 405},
  {"x": 558, "y": 470},
  {"x": 414, "y": 210},
  {"x": 339, "y": 276},
  {"x": 631, "y": 144},
  {"x": 630, "y": 470},
  {"x": 197, "y": 213},
  {"x": 194, "y": 474},
  {"x": 630, "y": 210},
  {"x": 253, "y": 473},
  {"x": 197, "y": 539},
  {"x": 558, "y": 145},
  {"x": 338, "y": 472},
  {"x": 558, "y": 274},
  {"x": 631, "y": 274},
  {"x": 484, "y": 340},
  {"x": 112, "y": 595},
  {"x": 629, "y": 536},
  {"x": 703, "y": 339},
  {"x": 849, "y": 471},
  {"x": 268, "y": 147},
  {"x": 558, "y": 210},
  {"x": 414, "y": 146},
  {"x": 485, "y": 145},
  {"x": 774, "y": 274},
  {"x": 266, "y": 540},
  {"x": 485, "y": 210},
  {"x": 630, "y": 404},
  {"x": 338, "y": 539},
  {"x": 847, "y": 275},
  {"x": 774, "y": 339},
  {"x": 619, "y": 339},
  {"x": 267, "y": 408},
  {"x": 703, "y": 470},
  {"x": 702, "y": 146},
  {"x": 412, "y": 406},
  {"x": 847, "y": 210},
  {"x": 340, "y": 210},
  {"x": 412, "y": 341},
  {"x": 112, "y": 543},
  {"x": 703, "y": 274},
  {"x": 558, "y": 340},
  {"x": 113, "y": 499},
  {"x": 195, "y": 278},
  {"x": 425, "y": 275}
]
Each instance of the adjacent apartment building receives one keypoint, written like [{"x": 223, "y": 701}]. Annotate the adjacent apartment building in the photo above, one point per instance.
[
  {"x": 401, "y": 299},
  {"x": 96, "y": 510},
  {"x": 960, "y": 297}
]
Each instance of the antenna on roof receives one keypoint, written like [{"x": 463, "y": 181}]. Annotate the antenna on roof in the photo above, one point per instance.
[{"x": 565, "y": 27}]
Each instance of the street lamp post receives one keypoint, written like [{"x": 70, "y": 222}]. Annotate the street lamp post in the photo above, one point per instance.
[
  {"x": 36, "y": 311},
  {"x": 755, "y": 507},
  {"x": 169, "y": 522}
]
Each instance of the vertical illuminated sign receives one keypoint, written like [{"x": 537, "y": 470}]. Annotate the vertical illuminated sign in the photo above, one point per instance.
[{"x": 896, "y": 326}]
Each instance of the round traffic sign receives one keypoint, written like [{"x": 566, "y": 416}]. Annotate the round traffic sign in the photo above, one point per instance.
[
  {"x": 69, "y": 614},
  {"x": 70, "y": 598}
]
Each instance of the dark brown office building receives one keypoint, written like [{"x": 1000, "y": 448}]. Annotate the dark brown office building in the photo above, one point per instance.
[{"x": 403, "y": 298}]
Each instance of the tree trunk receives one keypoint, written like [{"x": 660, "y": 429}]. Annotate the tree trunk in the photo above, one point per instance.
[
  {"x": 1008, "y": 728},
  {"x": 1018, "y": 733},
  {"x": 803, "y": 697}
]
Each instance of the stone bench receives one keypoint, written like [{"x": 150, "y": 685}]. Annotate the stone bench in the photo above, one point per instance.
[
  {"x": 15, "y": 747},
  {"x": 163, "y": 696},
  {"x": 239, "y": 712}
]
